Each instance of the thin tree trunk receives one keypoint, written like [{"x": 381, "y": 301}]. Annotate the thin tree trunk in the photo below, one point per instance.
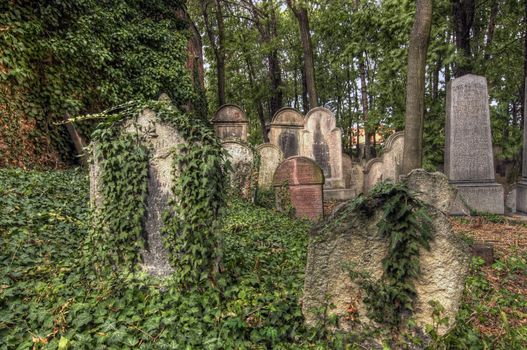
[
  {"x": 463, "y": 13},
  {"x": 365, "y": 109},
  {"x": 217, "y": 45},
  {"x": 415, "y": 87},
  {"x": 301, "y": 15},
  {"x": 522, "y": 99},
  {"x": 258, "y": 102}
]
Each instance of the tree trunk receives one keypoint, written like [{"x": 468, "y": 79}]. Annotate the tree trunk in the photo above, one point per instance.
[
  {"x": 301, "y": 15},
  {"x": 522, "y": 99},
  {"x": 258, "y": 102},
  {"x": 415, "y": 87},
  {"x": 365, "y": 107},
  {"x": 217, "y": 43},
  {"x": 463, "y": 13}
]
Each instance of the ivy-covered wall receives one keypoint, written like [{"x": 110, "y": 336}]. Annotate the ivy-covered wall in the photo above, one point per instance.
[{"x": 64, "y": 58}]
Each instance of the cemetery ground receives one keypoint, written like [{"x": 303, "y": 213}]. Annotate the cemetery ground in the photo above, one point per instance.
[{"x": 47, "y": 301}]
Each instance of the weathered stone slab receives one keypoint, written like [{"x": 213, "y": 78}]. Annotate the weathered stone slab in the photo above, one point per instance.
[
  {"x": 241, "y": 158},
  {"x": 343, "y": 194},
  {"x": 387, "y": 167},
  {"x": 161, "y": 139},
  {"x": 346, "y": 238},
  {"x": 270, "y": 157},
  {"x": 303, "y": 179},
  {"x": 469, "y": 162},
  {"x": 230, "y": 123},
  {"x": 322, "y": 141},
  {"x": 286, "y": 131}
]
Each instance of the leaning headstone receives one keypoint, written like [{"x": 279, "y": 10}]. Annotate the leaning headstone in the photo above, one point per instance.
[
  {"x": 322, "y": 142},
  {"x": 270, "y": 157},
  {"x": 230, "y": 122},
  {"x": 241, "y": 158},
  {"x": 161, "y": 139},
  {"x": 349, "y": 239},
  {"x": 521, "y": 188},
  {"x": 387, "y": 167},
  {"x": 469, "y": 162},
  {"x": 285, "y": 131},
  {"x": 298, "y": 182}
]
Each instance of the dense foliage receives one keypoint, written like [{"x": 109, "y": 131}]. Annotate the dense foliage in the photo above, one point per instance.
[
  {"x": 46, "y": 302},
  {"x": 360, "y": 63},
  {"x": 63, "y": 58}
]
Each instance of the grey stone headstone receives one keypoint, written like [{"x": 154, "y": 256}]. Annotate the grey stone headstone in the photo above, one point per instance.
[
  {"x": 346, "y": 238},
  {"x": 270, "y": 157},
  {"x": 469, "y": 162},
  {"x": 230, "y": 123},
  {"x": 387, "y": 167},
  {"x": 241, "y": 158},
  {"x": 285, "y": 131},
  {"x": 322, "y": 142},
  {"x": 161, "y": 139}
]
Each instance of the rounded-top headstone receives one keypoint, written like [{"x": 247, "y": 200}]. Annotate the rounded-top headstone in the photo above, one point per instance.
[
  {"x": 286, "y": 131},
  {"x": 230, "y": 122},
  {"x": 322, "y": 141},
  {"x": 270, "y": 157},
  {"x": 288, "y": 116}
]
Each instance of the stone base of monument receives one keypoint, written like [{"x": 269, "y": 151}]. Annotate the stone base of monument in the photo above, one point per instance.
[
  {"x": 481, "y": 196},
  {"x": 521, "y": 196},
  {"x": 339, "y": 194}
]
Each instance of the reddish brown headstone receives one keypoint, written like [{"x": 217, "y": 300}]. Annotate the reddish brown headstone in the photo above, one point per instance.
[{"x": 303, "y": 179}]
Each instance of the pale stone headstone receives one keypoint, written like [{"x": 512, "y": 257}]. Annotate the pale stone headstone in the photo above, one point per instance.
[
  {"x": 230, "y": 122},
  {"x": 469, "y": 162},
  {"x": 286, "y": 131},
  {"x": 161, "y": 139},
  {"x": 322, "y": 142},
  {"x": 303, "y": 179},
  {"x": 346, "y": 238},
  {"x": 270, "y": 157},
  {"x": 241, "y": 158},
  {"x": 387, "y": 167},
  {"x": 521, "y": 188}
]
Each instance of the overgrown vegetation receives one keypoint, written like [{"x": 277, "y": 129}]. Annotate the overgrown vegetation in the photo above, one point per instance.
[
  {"x": 406, "y": 226},
  {"x": 190, "y": 224},
  {"x": 63, "y": 58},
  {"x": 45, "y": 301}
]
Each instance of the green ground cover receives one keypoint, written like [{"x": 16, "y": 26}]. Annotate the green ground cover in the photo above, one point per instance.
[{"x": 47, "y": 300}]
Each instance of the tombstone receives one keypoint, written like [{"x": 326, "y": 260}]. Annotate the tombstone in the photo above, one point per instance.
[
  {"x": 270, "y": 157},
  {"x": 521, "y": 188},
  {"x": 241, "y": 158},
  {"x": 303, "y": 179},
  {"x": 230, "y": 122},
  {"x": 357, "y": 179},
  {"x": 387, "y": 167},
  {"x": 348, "y": 238},
  {"x": 469, "y": 162},
  {"x": 161, "y": 139},
  {"x": 322, "y": 142},
  {"x": 286, "y": 131}
]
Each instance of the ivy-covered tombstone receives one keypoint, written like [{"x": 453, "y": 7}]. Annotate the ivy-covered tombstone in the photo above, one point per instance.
[
  {"x": 388, "y": 258},
  {"x": 156, "y": 188}
]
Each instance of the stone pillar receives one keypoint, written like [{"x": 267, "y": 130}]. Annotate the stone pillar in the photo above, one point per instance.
[
  {"x": 469, "y": 162},
  {"x": 521, "y": 188}
]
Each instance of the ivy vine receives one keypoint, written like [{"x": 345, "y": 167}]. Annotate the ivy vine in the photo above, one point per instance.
[
  {"x": 407, "y": 227},
  {"x": 190, "y": 222}
]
